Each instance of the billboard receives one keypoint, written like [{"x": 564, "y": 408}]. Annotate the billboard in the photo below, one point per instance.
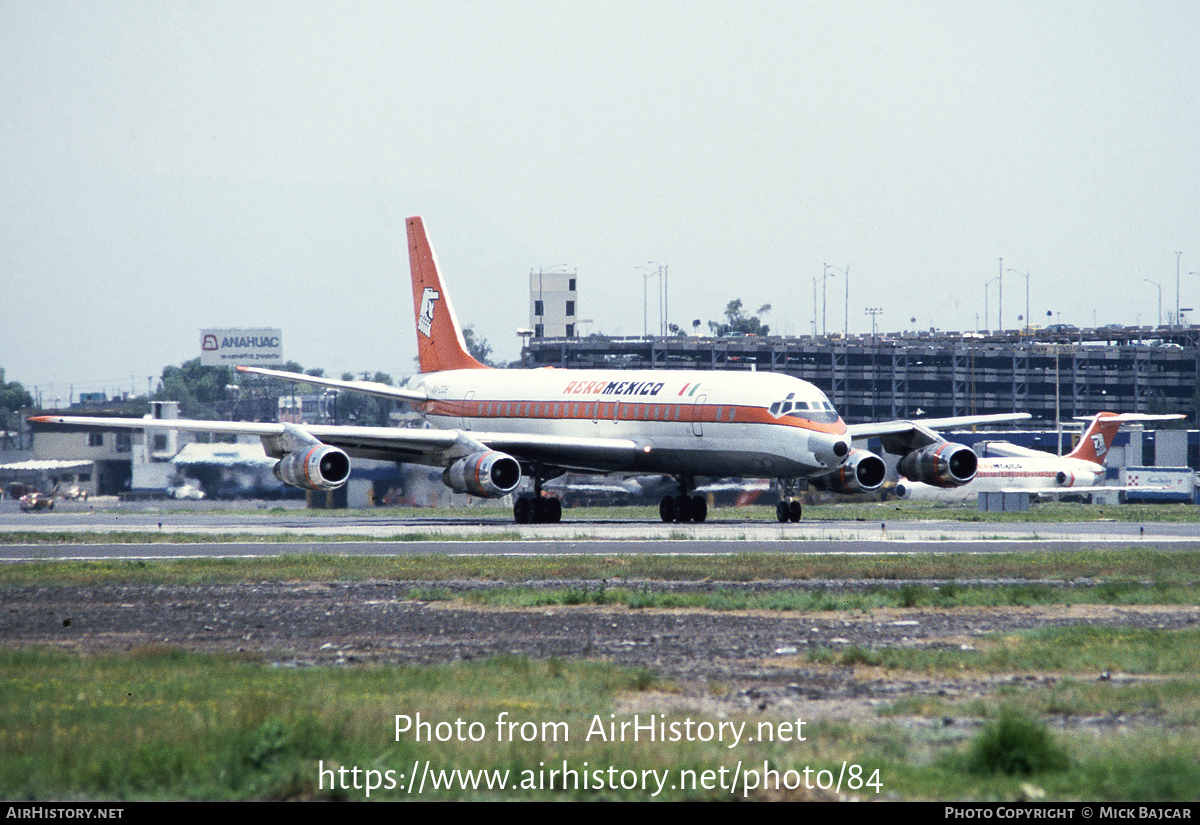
[{"x": 230, "y": 347}]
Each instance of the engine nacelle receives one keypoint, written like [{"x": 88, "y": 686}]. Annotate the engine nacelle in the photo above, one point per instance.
[
  {"x": 861, "y": 472},
  {"x": 1075, "y": 478},
  {"x": 488, "y": 474},
  {"x": 318, "y": 467},
  {"x": 944, "y": 464}
]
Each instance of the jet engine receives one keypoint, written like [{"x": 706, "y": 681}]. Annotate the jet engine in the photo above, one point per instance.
[
  {"x": 488, "y": 474},
  {"x": 861, "y": 472},
  {"x": 1074, "y": 478},
  {"x": 943, "y": 464},
  {"x": 318, "y": 467}
]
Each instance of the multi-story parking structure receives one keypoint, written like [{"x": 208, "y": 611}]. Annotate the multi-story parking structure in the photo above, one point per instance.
[{"x": 1052, "y": 377}]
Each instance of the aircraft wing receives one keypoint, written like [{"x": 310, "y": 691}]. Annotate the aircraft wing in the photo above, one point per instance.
[
  {"x": 440, "y": 447},
  {"x": 903, "y": 436},
  {"x": 585, "y": 454},
  {"x": 418, "y": 446},
  {"x": 367, "y": 387}
]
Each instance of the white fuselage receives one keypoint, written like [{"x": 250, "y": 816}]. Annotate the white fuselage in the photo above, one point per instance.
[
  {"x": 996, "y": 474},
  {"x": 690, "y": 422}
]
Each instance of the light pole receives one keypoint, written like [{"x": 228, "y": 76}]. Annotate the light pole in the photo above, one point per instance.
[
  {"x": 845, "y": 272},
  {"x": 986, "y": 316},
  {"x": 873, "y": 312},
  {"x": 826, "y": 275},
  {"x": 1178, "y": 255},
  {"x": 1157, "y": 284},
  {"x": 646, "y": 275},
  {"x": 661, "y": 270},
  {"x": 814, "y": 321},
  {"x": 1026, "y": 273},
  {"x": 1000, "y": 303},
  {"x": 666, "y": 303}
]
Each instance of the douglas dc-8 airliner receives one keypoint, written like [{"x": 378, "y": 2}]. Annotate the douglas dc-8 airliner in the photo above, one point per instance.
[{"x": 492, "y": 429}]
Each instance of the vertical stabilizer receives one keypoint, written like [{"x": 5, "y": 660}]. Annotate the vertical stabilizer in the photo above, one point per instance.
[
  {"x": 1097, "y": 438},
  {"x": 440, "y": 344}
]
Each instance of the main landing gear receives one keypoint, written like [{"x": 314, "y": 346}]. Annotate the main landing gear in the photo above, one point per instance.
[
  {"x": 536, "y": 508},
  {"x": 788, "y": 509},
  {"x": 684, "y": 507}
]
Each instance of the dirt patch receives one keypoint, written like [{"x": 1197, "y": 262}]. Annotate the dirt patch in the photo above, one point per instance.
[{"x": 721, "y": 661}]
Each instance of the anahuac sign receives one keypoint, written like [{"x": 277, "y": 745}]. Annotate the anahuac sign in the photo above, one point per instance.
[{"x": 230, "y": 347}]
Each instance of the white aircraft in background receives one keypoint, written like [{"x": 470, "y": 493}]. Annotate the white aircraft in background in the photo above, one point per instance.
[
  {"x": 1006, "y": 467},
  {"x": 492, "y": 428}
]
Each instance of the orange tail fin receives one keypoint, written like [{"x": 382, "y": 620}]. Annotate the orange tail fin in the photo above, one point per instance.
[
  {"x": 1097, "y": 438},
  {"x": 440, "y": 344}
]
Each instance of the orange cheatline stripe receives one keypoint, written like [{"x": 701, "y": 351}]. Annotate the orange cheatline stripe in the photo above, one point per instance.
[{"x": 662, "y": 413}]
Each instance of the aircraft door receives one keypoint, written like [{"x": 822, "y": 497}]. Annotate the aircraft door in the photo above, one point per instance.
[
  {"x": 467, "y": 402},
  {"x": 697, "y": 415}
]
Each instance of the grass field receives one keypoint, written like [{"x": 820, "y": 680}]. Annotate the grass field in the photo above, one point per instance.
[
  {"x": 1108, "y": 568},
  {"x": 165, "y": 722}
]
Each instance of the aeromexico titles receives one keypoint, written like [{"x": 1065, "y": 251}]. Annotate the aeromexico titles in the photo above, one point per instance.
[{"x": 499, "y": 432}]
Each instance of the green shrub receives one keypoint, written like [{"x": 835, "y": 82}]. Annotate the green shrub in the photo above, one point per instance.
[{"x": 1015, "y": 744}]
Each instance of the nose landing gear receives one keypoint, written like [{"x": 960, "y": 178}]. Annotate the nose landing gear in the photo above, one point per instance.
[{"x": 789, "y": 508}]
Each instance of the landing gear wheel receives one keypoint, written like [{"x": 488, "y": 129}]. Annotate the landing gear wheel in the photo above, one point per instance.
[
  {"x": 666, "y": 509},
  {"x": 783, "y": 512},
  {"x": 547, "y": 510},
  {"x": 794, "y": 510},
  {"x": 530, "y": 510},
  {"x": 521, "y": 510},
  {"x": 699, "y": 509},
  {"x": 683, "y": 509}
]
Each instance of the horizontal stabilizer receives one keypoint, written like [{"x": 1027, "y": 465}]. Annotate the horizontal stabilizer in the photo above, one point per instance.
[{"x": 367, "y": 387}]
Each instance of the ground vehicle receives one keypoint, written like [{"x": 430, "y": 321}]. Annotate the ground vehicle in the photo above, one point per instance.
[
  {"x": 186, "y": 490},
  {"x": 72, "y": 493},
  {"x": 35, "y": 501}
]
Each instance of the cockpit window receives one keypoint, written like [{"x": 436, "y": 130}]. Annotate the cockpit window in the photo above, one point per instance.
[{"x": 817, "y": 411}]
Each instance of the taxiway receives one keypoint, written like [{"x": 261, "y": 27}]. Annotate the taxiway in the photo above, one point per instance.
[{"x": 272, "y": 533}]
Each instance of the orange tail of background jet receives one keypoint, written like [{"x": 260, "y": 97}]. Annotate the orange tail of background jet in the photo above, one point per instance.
[
  {"x": 440, "y": 343},
  {"x": 1098, "y": 437}
]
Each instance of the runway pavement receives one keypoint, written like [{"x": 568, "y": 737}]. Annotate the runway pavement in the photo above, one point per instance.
[{"x": 238, "y": 534}]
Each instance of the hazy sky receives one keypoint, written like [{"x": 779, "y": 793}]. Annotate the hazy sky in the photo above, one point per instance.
[{"x": 172, "y": 166}]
